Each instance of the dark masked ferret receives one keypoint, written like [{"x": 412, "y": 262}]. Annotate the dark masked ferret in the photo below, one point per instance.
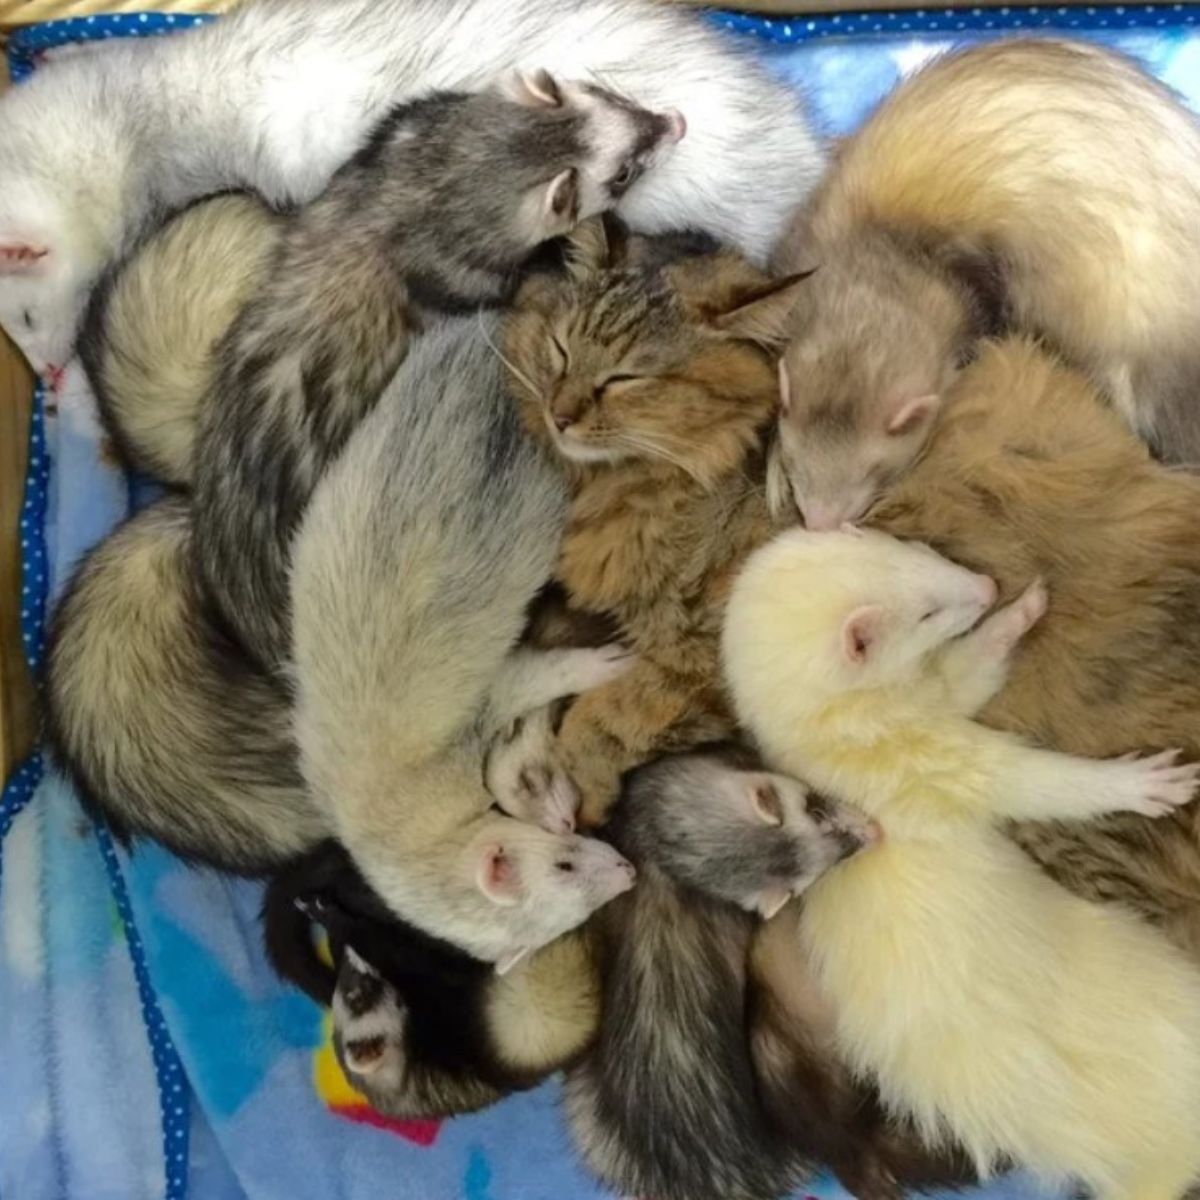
[
  {"x": 436, "y": 213},
  {"x": 1060, "y": 195},
  {"x": 422, "y": 1029},
  {"x": 667, "y": 1102}
]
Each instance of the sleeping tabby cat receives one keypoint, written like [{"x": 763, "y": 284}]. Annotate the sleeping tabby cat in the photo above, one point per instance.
[{"x": 650, "y": 370}]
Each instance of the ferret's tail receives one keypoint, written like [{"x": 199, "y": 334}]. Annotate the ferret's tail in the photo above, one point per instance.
[
  {"x": 151, "y": 327},
  {"x": 165, "y": 727},
  {"x": 666, "y": 1103}
]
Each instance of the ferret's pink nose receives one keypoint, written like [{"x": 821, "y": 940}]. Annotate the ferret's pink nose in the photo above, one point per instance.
[
  {"x": 821, "y": 517},
  {"x": 54, "y": 376},
  {"x": 874, "y": 832},
  {"x": 676, "y": 125}
]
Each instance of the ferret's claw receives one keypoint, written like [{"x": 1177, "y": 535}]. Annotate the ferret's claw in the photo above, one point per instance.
[{"x": 1164, "y": 783}]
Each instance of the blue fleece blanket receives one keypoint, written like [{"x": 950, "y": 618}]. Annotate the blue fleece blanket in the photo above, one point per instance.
[{"x": 145, "y": 1048}]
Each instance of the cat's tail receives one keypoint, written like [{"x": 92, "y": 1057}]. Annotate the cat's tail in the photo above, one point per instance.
[
  {"x": 152, "y": 325},
  {"x": 168, "y": 731}
]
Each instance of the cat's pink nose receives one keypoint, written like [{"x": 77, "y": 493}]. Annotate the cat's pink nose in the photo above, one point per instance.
[{"x": 562, "y": 421}]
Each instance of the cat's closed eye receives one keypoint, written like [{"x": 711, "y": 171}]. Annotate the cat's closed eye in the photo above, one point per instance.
[
  {"x": 560, "y": 355},
  {"x": 615, "y": 380}
]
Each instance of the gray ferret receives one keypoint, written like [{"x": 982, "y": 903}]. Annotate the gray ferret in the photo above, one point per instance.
[
  {"x": 435, "y": 214},
  {"x": 1060, "y": 195},
  {"x": 670, "y": 1102},
  {"x": 421, "y": 1028}
]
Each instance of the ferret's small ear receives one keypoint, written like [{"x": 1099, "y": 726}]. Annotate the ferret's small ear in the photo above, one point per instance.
[
  {"x": 761, "y": 314},
  {"x": 591, "y": 247},
  {"x": 535, "y": 89},
  {"x": 19, "y": 257},
  {"x": 771, "y": 900},
  {"x": 506, "y": 962},
  {"x": 860, "y": 633},
  {"x": 364, "y": 1056},
  {"x": 560, "y": 202},
  {"x": 911, "y": 415},
  {"x": 497, "y": 876},
  {"x": 766, "y": 803}
]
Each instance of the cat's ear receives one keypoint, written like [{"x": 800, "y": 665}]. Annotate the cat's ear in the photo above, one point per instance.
[
  {"x": 21, "y": 254},
  {"x": 860, "y": 633},
  {"x": 497, "y": 876},
  {"x": 761, "y": 314},
  {"x": 595, "y": 245},
  {"x": 534, "y": 89},
  {"x": 909, "y": 416}
]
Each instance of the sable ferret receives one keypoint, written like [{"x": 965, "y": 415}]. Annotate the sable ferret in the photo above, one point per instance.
[
  {"x": 423, "y": 1029},
  {"x": 1060, "y": 196},
  {"x": 436, "y": 213},
  {"x": 423, "y": 547},
  {"x": 990, "y": 1005},
  {"x": 667, "y": 1102},
  {"x": 1029, "y": 472}
]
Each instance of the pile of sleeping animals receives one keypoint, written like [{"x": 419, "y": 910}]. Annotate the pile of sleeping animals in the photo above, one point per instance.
[{"x": 493, "y": 413}]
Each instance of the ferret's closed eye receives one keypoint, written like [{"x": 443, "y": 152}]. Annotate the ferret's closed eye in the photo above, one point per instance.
[
  {"x": 565, "y": 866},
  {"x": 28, "y": 317},
  {"x": 625, "y": 178},
  {"x": 933, "y": 612}
]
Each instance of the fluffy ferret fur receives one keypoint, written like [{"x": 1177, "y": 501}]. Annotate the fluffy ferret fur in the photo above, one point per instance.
[
  {"x": 1030, "y": 472},
  {"x": 153, "y": 324},
  {"x": 1060, "y": 196},
  {"x": 990, "y": 1005}
]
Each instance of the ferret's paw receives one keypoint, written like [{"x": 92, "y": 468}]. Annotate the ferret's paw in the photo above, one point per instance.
[
  {"x": 593, "y": 668},
  {"x": 1032, "y": 603},
  {"x": 1005, "y": 628},
  {"x": 1159, "y": 784},
  {"x": 526, "y": 777}
]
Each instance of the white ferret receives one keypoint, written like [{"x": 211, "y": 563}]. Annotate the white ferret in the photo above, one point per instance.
[
  {"x": 990, "y": 1005},
  {"x": 96, "y": 149}
]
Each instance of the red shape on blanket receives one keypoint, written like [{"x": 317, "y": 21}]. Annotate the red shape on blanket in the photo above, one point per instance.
[{"x": 423, "y": 1133}]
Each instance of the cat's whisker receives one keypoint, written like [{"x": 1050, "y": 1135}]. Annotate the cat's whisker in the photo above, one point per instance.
[
  {"x": 646, "y": 443},
  {"x": 517, "y": 373}
]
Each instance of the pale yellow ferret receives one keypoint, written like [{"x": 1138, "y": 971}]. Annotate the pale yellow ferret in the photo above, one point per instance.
[{"x": 991, "y": 1006}]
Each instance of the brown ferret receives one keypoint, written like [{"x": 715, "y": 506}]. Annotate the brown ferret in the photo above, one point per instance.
[
  {"x": 1029, "y": 473},
  {"x": 1059, "y": 195}
]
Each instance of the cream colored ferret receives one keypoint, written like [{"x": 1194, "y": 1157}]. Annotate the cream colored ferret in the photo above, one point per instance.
[{"x": 990, "y": 1005}]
